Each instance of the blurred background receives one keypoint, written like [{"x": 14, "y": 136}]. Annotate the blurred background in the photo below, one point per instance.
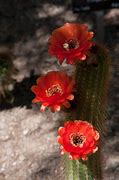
[{"x": 29, "y": 150}]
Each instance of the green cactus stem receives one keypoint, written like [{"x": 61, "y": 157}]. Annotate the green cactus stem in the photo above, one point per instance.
[{"x": 92, "y": 77}]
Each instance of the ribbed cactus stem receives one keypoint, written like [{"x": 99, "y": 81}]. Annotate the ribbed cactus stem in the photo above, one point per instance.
[
  {"x": 92, "y": 83},
  {"x": 76, "y": 170},
  {"x": 91, "y": 90}
]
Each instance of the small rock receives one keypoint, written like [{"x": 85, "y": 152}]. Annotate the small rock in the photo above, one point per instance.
[{"x": 25, "y": 132}]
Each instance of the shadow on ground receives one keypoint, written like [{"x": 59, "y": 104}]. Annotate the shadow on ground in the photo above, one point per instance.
[{"x": 21, "y": 95}]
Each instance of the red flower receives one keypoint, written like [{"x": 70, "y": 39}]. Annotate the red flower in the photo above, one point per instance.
[
  {"x": 54, "y": 89},
  {"x": 78, "y": 138},
  {"x": 70, "y": 42}
]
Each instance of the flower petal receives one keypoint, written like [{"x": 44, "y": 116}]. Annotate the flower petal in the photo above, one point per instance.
[
  {"x": 42, "y": 108},
  {"x": 61, "y": 131},
  {"x": 67, "y": 104},
  {"x": 70, "y": 97}
]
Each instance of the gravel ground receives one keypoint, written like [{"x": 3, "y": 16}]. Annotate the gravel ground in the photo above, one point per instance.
[{"x": 27, "y": 137}]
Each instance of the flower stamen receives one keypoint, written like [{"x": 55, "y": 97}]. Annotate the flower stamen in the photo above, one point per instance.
[
  {"x": 77, "y": 139},
  {"x": 71, "y": 44},
  {"x": 53, "y": 90}
]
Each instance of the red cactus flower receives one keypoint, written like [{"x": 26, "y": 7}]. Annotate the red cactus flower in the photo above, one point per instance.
[
  {"x": 78, "y": 138},
  {"x": 54, "y": 89},
  {"x": 70, "y": 42}
]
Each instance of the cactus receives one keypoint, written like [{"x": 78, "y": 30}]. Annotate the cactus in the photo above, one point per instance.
[
  {"x": 91, "y": 90},
  {"x": 85, "y": 118}
]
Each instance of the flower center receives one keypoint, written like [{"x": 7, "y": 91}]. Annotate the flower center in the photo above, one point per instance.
[
  {"x": 71, "y": 44},
  {"x": 53, "y": 90},
  {"x": 77, "y": 139}
]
